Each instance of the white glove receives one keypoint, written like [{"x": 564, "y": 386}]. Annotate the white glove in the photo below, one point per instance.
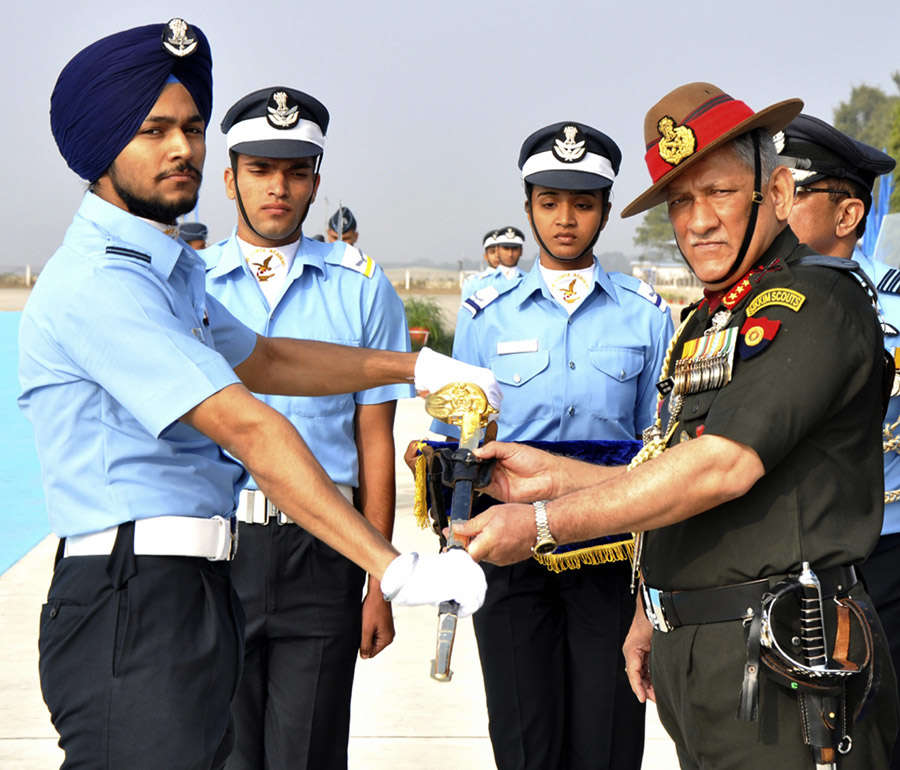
[
  {"x": 411, "y": 579},
  {"x": 434, "y": 370}
]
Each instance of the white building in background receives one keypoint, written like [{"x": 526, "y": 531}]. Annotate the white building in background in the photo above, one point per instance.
[{"x": 665, "y": 275}]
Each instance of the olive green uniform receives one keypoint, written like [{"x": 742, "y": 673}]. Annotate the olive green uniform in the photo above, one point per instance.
[{"x": 808, "y": 403}]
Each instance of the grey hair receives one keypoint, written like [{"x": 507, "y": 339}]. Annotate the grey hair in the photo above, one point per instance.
[{"x": 768, "y": 157}]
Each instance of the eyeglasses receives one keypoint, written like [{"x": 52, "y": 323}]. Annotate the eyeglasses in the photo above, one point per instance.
[{"x": 801, "y": 189}]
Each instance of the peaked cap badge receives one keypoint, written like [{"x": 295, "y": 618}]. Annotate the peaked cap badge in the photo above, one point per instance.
[
  {"x": 177, "y": 38},
  {"x": 279, "y": 113},
  {"x": 510, "y": 233},
  {"x": 675, "y": 142},
  {"x": 569, "y": 146}
]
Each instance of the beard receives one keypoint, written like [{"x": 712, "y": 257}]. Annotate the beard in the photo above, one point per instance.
[{"x": 155, "y": 208}]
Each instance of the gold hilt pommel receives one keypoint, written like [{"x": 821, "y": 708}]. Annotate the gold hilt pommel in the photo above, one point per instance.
[{"x": 462, "y": 404}]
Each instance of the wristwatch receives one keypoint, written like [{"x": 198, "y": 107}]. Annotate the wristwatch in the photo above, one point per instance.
[{"x": 545, "y": 542}]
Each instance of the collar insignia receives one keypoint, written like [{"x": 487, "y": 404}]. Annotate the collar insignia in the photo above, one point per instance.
[
  {"x": 675, "y": 142},
  {"x": 177, "y": 38},
  {"x": 279, "y": 113},
  {"x": 569, "y": 147}
]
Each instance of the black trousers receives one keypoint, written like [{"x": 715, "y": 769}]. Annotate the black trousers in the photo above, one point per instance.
[
  {"x": 551, "y": 652},
  {"x": 139, "y": 659},
  {"x": 303, "y": 605},
  {"x": 697, "y": 673},
  {"x": 882, "y": 575}
]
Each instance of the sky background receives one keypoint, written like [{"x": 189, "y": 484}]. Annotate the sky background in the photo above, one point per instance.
[{"x": 430, "y": 102}]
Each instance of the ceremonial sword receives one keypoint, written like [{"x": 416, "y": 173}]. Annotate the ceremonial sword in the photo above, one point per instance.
[{"x": 466, "y": 406}]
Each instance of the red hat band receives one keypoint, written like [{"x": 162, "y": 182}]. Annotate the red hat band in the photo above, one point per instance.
[{"x": 677, "y": 142}]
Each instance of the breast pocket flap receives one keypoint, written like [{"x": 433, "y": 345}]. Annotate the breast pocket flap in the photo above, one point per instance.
[
  {"x": 621, "y": 364},
  {"x": 518, "y": 368}
]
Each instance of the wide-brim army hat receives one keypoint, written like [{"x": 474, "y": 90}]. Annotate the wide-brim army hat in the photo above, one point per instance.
[
  {"x": 276, "y": 122},
  {"x": 690, "y": 122},
  {"x": 570, "y": 156}
]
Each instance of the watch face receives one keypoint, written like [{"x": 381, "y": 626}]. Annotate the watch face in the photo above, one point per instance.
[{"x": 545, "y": 547}]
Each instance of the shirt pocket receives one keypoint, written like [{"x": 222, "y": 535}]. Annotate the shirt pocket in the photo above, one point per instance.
[
  {"x": 527, "y": 390},
  {"x": 614, "y": 393}
]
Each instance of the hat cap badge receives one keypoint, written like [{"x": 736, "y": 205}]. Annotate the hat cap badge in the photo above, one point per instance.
[
  {"x": 676, "y": 142},
  {"x": 510, "y": 233},
  {"x": 280, "y": 115},
  {"x": 177, "y": 38},
  {"x": 570, "y": 147}
]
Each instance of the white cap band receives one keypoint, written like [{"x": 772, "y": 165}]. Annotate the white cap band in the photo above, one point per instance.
[
  {"x": 259, "y": 130},
  {"x": 591, "y": 163}
]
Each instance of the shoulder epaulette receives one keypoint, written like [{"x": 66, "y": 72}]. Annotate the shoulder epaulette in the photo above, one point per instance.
[
  {"x": 122, "y": 251},
  {"x": 890, "y": 282},
  {"x": 480, "y": 300},
  {"x": 639, "y": 287},
  {"x": 354, "y": 259},
  {"x": 845, "y": 265}
]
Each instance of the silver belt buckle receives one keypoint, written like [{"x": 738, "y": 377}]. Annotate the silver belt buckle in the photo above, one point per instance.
[{"x": 653, "y": 609}]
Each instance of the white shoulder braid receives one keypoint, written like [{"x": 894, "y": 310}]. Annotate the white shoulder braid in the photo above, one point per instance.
[
  {"x": 480, "y": 300},
  {"x": 641, "y": 288}
]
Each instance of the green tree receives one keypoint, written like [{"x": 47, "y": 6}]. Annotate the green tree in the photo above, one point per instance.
[
  {"x": 868, "y": 114},
  {"x": 654, "y": 234},
  {"x": 893, "y": 149}
]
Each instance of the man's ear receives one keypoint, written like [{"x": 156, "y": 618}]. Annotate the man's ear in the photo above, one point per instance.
[
  {"x": 315, "y": 189},
  {"x": 781, "y": 188},
  {"x": 229, "y": 183},
  {"x": 850, "y": 213}
]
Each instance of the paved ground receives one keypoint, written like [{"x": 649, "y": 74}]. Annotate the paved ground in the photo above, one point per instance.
[
  {"x": 401, "y": 718},
  {"x": 13, "y": 299}
]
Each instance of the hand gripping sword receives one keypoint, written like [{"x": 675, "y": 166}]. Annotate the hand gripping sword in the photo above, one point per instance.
[
  {"x": 466, "y": 406},
  {"x": 812, "y": 639}
]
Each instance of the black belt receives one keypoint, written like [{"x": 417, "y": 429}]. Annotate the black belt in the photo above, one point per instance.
[{"x": 668, "y": 610}]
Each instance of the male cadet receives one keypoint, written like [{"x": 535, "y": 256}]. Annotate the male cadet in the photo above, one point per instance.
[
  {"x": 509, "y": 242},
  {"x": 302, "y": 599},
  {"x": 577, "y": 352},
  {"x": 194, "y": 234},
  {"x": 136, "y": 382},
  {"x": 342, "y": 227},
  {"x": 764, "y": 465},
  {"x": 834, "y": 176},
  {"x": 491, "y": 258}
]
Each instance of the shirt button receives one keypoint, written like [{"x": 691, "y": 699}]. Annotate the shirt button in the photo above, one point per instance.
[
  {"x": 571, "y": 411},
  {"x": 517, "y": 378},
  {"x": 571, "y": 364},
  {"x": 622, "y": 374},
  {"x": 569, "y": 322}
]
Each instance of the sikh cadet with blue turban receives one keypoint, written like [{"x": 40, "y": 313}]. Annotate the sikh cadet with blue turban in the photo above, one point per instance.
[{"x": 135, "y": 381}]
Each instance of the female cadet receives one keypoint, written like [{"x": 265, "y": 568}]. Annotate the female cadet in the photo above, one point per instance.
[{"x": 577, "y": 352}]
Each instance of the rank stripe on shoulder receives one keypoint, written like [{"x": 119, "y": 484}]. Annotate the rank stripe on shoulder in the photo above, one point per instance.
[
  {"x": 354, "y": 259},
  {"x": 649, "y": 294},
  {"x": 125, "y": 252},
  {"x": 889, "y": 281},
  {"x": 480, "y": 299}
]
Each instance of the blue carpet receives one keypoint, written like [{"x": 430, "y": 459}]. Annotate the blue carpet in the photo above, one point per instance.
[{"x": 23, "y": 518}]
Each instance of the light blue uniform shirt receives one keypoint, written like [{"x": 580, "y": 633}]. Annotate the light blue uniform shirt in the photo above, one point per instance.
[
  {"x": 332, "y": 293},
  {"x": 493, "y": 277},
  {"x": 117, "y": 341},
  {"x": 591, "y": 375},
  {"x": 887, "y": 280}
]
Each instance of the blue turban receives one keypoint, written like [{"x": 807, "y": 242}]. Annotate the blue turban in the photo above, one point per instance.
[{"x": 104, "y": 93}]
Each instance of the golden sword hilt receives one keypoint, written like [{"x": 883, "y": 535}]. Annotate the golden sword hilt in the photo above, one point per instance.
[{"x": 462, "y": 404}]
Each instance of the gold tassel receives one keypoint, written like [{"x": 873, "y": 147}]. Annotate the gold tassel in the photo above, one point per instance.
[
  {"x": 420, "y": 505},
  {"x": 604, "y": 553}
]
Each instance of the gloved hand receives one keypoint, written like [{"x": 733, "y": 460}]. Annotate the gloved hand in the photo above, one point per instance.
[
  {"x": 434, "y": 370},
  {"x": 411, "y": 579}
]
